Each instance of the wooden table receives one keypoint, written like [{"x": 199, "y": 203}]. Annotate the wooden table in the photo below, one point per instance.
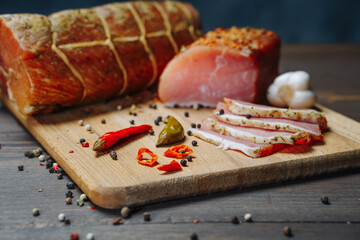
[{"x": 335, "y": 76}]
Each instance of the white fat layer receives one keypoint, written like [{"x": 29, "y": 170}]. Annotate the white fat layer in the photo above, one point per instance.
[
  {"x": 243, "y": 121},
  {"x": 226, "y": 144}
]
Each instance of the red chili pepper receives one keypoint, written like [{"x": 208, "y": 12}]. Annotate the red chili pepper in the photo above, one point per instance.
[
  {"x": 178, "y": 151},
  {"x": 110, "y": 138},
  {"x": 148, "y": 162},
  {"x": 56, "y": 167},
  {"x": 173, "y": 166}
]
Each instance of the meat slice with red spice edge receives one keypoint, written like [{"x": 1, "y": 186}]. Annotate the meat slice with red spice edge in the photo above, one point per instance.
[{"x": 238, "y": 63}]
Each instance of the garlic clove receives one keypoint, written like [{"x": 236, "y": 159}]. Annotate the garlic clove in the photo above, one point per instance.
[
  {"x": 273, "y": 97},
  {"x": 282, "y": 79},
  {"x": 303, "y": 99},
  {"x": 299, "y": 80}
]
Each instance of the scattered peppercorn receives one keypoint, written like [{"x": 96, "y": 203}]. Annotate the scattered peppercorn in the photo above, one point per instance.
[
  {"x": 113, "y": 155},
  {"x": 51, "y": 170},
  {"x": 67, "y": 221},
  {"x": 182, "y": 151},
  {"x": 183, "y": 162},
  {"x": 49, "y": 164},
  {"x": 79, "y": 202},
  {"x": 37, "y": 152},
  {"x": 151, "y": 132},
  {"x": 189, "y": 133},
  {"x": 198, "y": 125},
  {"x": 189, "y": 158},
  {"x": 176, "y": 106},
  {"x": 103, "y": 121},
  {"x": 152, "y": 105},
  {"x": 119, "y": 107},
  {"x": 125, "y": 212},
  {"x": 221, "y": 112},
  {"x": 186, "y": 114},
  {"x": 68, "y": 200},
  {"x": 235, "y": 220},
  {"x": 71, "y": 151},
  {"x": 134, "y": 114},
  {"x": 117, "y": 221},
  {"x": 21, "y": 167},
  {"x": 69, "y": 194},
  {"x": 325, "y": 200},
  {"x": 88, "y": 127},
  {"x": 59, "y": 176},
  {"x": 35, "y": 212},
  {"x": 248, "y": 217},
  {"x": 59, "y": 170},
  {"x": 70, "y": 185},
  {"x": 147, "y": 216},
  {"x": 61, "y": 217},
  {"x": 27, "y": 154},
  {"x": 194, "y": 236},
  {"x": 83, "y": 197},
  {"x": 193, "y": 125},
  {"x": 287, "y": 231},
  {"x": 41, "y": 158},
  {"x": 90, "y": 236},
  {"x": 74, "y": 236},
  {"x": 132, "y": 122},
  {"x": 156, "y": 121},
  {"x": 82, "y": 140},
  {"x": 85, "y": 144},
  {"x": 40, "y": 190},
  {"x": 159, "y": 118},
  {"x": 194, "y": 143},
  {"x": 248, "y": 116},
  {"x": 81, "y": 122}
]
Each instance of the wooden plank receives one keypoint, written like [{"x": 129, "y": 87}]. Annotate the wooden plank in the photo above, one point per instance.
[{"x": 112, "y": 184}]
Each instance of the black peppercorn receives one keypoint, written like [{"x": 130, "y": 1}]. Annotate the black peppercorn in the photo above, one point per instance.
[
  {"x": 221, "y": 112},
  {"x": 59, "y": 170},
  {"x": 189, "y": 158},
  {"x": 67, "y": 221},
  {"x": 151, "y": 132},
  {"x": 193, "y": 125},
  {"x": 59, "y": 176},
  {"x": 27, "y": 153},
  {"x": 147, "y": 216},
  {"x": 189, "y": 133},
  {"x": 194, "y": 143},
  {"x": 248, "y": 116},
  {"x": 103, "y": 121},
  {"x": 325, "y": 200},
  {"x": 132, "y": 122},
  {"x": 287, "y": 231},
  {"x": 69, "y": 194},
  {"x": 49, "y": 164},
  {"x": 194, "y": 236},
  {"x": 113, "y": 155},
  {"x": 159, "y": 118},
  {"x": 176, "y": 106},
  {"x": 183, "y": 162},
  {"x": 134, "y": 114},
  {"x": 21, "y": 167},
  {"x": 70, "y": 185},
  {"x": 198, "y": 125},
  {"x": 235, "y": 220},
  {"x": 51, "y": 170},
  {"x": 82, "y": 140},
  {"x": 186, "y": 114},
  {"x": 181, "y": 151},
  {"x": 156, "y": 122}
]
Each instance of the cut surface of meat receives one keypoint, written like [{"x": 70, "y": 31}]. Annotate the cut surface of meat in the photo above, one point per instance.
[
  {"x": 87, "y": 55},
  {"x": 256, "y": 110},
  {"x": 254, "y": 150},
  {"x": 278, "y": 124},
  {"x": 238, "y": 63},
  {"x": 258, "y": 135}
]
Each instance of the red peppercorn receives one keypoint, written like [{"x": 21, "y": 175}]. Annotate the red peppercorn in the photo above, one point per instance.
[
  {"x": 85, "y": 144},
  {"x": 74, "y": 236},
  {"x": 56, "y": 167},
  {"x": 71, "y": 151}
]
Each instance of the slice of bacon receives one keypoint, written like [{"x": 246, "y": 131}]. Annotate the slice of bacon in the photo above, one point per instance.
[
  {"x": 258, "y": 135},
  {"x": 279, "y": 124},
  {"x": 250, "y": 149},
  {"x": 256, "y": 110}
]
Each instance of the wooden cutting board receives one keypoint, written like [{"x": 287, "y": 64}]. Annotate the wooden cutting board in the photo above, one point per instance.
[{"x": 113, "y": 184}]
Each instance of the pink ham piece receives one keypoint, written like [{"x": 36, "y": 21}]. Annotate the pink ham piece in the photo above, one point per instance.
[
  {"x": 254, "y": 150},
  {"x": 279, "y": 124},
  {"x": 238, "y": 63},
  {"x": 258, "y": 135},
  {"x": 255, "y": 110}
]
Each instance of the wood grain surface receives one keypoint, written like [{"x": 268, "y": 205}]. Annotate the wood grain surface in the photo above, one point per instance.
[{"x": 295, "y": 203}]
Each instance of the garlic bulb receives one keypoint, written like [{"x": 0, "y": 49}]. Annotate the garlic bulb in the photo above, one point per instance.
[{"x": 291, "y": 89}]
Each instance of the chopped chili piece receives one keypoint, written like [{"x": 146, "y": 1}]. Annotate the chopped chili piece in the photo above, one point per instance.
[
  {"x": 148, "y": 162},
  {"x": 178, "y": 151},
  {"x": 110, "y": 138},
  {"x": 173, "y": 166}
]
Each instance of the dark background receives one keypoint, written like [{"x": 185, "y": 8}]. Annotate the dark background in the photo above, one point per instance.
[{"x": 296, "y": 21}]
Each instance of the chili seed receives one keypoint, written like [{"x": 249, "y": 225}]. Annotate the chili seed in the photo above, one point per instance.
[
  {"x": 189, "y": 133},
  {"x": 59, "y": 176},
  {"x": 61, "y": 217},
  {"x": 186, "y": 114},
  {"x": 248, "y": 217},
  {"x": 198, "y": 125},
  {"x": 287, "y": 231},
  {"x": 235, "y": 220},
  {"x": 248, "y": 116},
  {"x": 189, "y": 158},
  {"x": 151, "y": 132},
  {"x": 103, "y": 121},
  {"x": 88, "y": 127},
  {"x": 35, "y": 212},
  {"x": 194, "y": 143},
  {"x": 221, "y": 112},
  {"x": 82, "y": 140},
  {"x": 117, "y": 221},
  {"x": 194, "y": 236},
  {"x": 183, "y": 162},
  {"x": 81, "y": 122},
  {"x": 69, "y": 194},
  {"x": 21, "y": 167},
  {"x": 70, "y": 185},
  {"x": 68, "y": 200},
  {"x": 325, "y": 200},
  {"x": 67, "y": 221},
  {"x": 132, "y": 122},
  {"x": 156, "y": 122},
  {"x": 181, "y": 151},
  {"x": 74, "y": 236},
  {"x": 113, "y": 155},
  {"x": 125, "y": 212},
  {"x": 90, "y": 236},
  {"x": 193, "y": 125},
  {"x": 147, "y": 216}
]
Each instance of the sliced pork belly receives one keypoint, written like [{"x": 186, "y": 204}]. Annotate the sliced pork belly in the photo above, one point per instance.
[
  {"x": 238, "y": 63},
  {"x": 258, "y": 135},
  {"x": 254, "y": 150},
  {"x": 279, "y": 124},
  {"x": 256, "y": 110}
]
